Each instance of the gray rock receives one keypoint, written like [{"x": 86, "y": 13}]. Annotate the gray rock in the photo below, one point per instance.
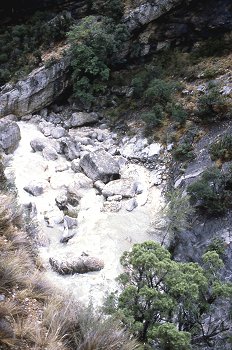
[
  {"x": 61, "y": 201},
  {"x": 58, "y": 132},
  {"x": 67, "y": 235},
  {"x": 78, "y": 188},
  {"x": 9, "y": 136},
  {"x": 41, "y": 87},
  {"x": 54, "y": 217},
  {"x": 147, "y": 12},
  {"x": 49, "y": 153},
  {"x": 39, "y": 144},
  {"x": 99, "y": 185},
  {"x": 131, "y": 204},
  {"x": 75, "y": 165},
  {"x": 82, "y": 264},
  {"x": 116, "y": 197},
  {"x": 123, "y": 187},
  {"x": 82, "y": 118},
  {"x": 69, "y": 222},
  {"x": 70, "y": 149},
  {"x": 36, "y": 188},
  {"x": 61, "y": 167},
  {"x": 100, "y": 165}
]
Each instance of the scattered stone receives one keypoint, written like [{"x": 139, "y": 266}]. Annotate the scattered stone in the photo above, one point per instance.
[
  {"x": 123, "y": 187},
  {"x": 61, "y": 201},
  {"x": 36, "y": 188},
  {"x": 70, "y": 149},
  {"x": 9, "y": 136},
  {"x": 49, "y": 153},
  {"x": 112, "y": 207},
  {"x": 155, "y": 178},
  {"x": 58, "y": 132},
  {"x": 54, "y": 217},
  {"x": 116, "y": 197},
  {"x": 39, "y": 144},
  {"x": 69, "y": 222},
  {"x": 75, "y": 165},
  {"x": 99, "y": 185},
  {"x": 100, "y": 165},
  {"x": 61, "y": 167},
  {"x": 131, "y": 204},
  {"x": 67, "y": 235},
  {"x": 82, "y": 264}
]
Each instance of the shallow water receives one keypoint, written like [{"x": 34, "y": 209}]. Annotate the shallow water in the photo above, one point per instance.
[{"x": 100, "y": 233}]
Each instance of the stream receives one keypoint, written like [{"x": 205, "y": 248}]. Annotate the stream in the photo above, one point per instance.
[{"x": 103, "y": 231}]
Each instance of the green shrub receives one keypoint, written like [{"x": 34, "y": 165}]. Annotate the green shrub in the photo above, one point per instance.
[
  {"x": 153, "y": 118},
  {"x": 159, "y": 91},
  {"x": 212, "y": 106},
  {"x": 222, "y": 149},
  {"x": 178, "y": 113},
  {"x": 94, "y": 46},
  {"x": 184, "y": 152},
  {"x": 142, "y": 79},
  {"x": 108, "y": 8},
  {"x": 212, "y": 193}
]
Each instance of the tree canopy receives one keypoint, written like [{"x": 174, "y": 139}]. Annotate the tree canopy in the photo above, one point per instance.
[{"x": 171, "y": 304}]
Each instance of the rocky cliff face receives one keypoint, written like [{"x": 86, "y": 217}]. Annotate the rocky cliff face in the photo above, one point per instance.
[{"x": 36, "y": 91}]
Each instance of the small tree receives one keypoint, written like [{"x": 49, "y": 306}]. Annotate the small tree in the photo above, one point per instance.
[
  {"x": 94, "y": 45},
  {"x": 171, "y": 304}
]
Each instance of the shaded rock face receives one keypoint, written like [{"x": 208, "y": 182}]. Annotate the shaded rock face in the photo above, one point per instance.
[
  {"x": 36, "y": 91},
  {"x": 83, "y": 264},
  {"x": 9, "y": 136},
  {"x": 147, "y": 12}
]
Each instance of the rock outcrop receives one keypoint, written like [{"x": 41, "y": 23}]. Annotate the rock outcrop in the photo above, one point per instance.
[
  {"x": 9, "y": 135},
  {"x": 83, "y": 264},
  {"x": 39, "y": 89},
  {"x": 147, "y": 12}
]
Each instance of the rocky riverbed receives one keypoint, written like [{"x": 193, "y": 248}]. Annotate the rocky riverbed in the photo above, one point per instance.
[{"x": 91, "y": 194}]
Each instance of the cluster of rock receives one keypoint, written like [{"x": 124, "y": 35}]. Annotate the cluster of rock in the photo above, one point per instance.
[{"x": 84, "y": 158}]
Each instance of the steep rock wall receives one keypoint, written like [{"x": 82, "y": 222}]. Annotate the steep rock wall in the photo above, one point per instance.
[{"x": 38, "y": 90}]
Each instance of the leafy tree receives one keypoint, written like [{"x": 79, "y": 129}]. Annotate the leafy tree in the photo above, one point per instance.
[
  {"x": 109, "y": 8},
  {"x": 94, "y": 45},
  {"x": 212, "y": 193},
  {"x": 171, "y": 304}
]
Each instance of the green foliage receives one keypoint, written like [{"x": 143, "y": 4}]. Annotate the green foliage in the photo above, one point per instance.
[
  {"x": 169, "y": 338},
  {"x": 178, "y": 113},
  {"x": 217, "y": 245},
  {"x": 212, "y": 193},
  {"x": 108, "y": 8},
  {"x": 142, "y": 79},
  {"x": 94, "y": 45},
  {"x": 153, "y": 118},
  {"x": 212, "y": 105},
  {"x": 183, "y": 152},
  {"x": 20, "y": 44},
  {"x": 212, "y": 47},
  {"x": 159, "y": 91},
  {"x": 167, "y": 303},
  {"x": 178, "y": 211},
  {"x": 222, "y": 149}
]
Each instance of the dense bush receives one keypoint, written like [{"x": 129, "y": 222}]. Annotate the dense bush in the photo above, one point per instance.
[
  {"x": 94, "y": 48},
  {"x": 20, "y": 45},
  {"x": 153, "y": 118},
  {"x": 222, "y": 149},
  {"x": 212, "y": 193},
  {"x": 177, "y": 113},
  {"x": 168, "y": 304},
  {"x": 159, "y": 91},
  {"x": 212, "y": 105},
  {"x": 108, "y": 8},
  {"x": 183, "y": 152}
]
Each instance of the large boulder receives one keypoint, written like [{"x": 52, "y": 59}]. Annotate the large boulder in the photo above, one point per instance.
[
  {"x": 82, "y": 118},
  {"x": 100, "y": 165},
  {"x": 123, "y": 187},
  {"x": 9, "y": 136},
  {"x": 82, "y": 264},
  {"x": 36, "y": 188},
  {"x": 41, "y": 87},
  {"x": 70, "y": 148}
]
